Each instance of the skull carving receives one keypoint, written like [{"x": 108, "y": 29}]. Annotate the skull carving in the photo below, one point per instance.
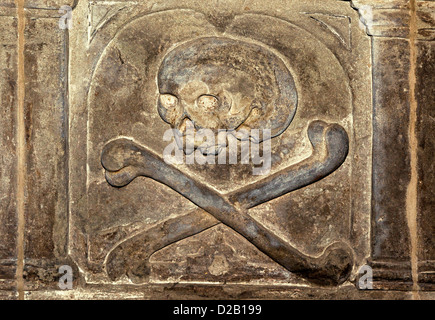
[{"x": 227, "y": 86}]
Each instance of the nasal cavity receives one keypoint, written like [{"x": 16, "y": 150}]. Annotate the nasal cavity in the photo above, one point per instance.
[{"x": 185, "y": 124}]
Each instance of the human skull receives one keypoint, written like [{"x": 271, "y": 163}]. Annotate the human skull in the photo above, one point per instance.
[{"x": 225, "y": 85}]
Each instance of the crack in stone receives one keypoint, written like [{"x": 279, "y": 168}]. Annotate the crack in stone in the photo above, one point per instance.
[
  {"x": 411, "y": 201},
  {"x": 21, "y": 150}
]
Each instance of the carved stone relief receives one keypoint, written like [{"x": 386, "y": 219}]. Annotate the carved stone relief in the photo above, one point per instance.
[
  {"x": 332, "y": 90},
  {"x": 222, "y": 74}
]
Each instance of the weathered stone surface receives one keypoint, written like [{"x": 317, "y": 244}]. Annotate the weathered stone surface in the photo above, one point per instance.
[
  {"x": 46, "y": 121},
  {"x": 333, "y": 82},
  {"x": 391, "y": 159},
  {"x": 46, "y": 138},
  {"x": 426, "y": 154},
  {"x": 8, "y": 97}
]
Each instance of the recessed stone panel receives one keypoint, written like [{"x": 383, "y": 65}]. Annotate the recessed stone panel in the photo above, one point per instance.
[
  {"x": 284, "y": 65},
  {"x": 8, "y": 94}
]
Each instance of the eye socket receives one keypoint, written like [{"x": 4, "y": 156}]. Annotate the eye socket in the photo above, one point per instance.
[
  {"x": 208, "y": 102},
  {"x": 168, "y": 100}
]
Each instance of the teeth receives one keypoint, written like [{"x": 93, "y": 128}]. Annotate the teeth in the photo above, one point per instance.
[{"x": 188, "y": 144}]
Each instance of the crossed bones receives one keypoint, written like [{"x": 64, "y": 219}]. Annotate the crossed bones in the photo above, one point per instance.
[{"x": 124, "y": 160}]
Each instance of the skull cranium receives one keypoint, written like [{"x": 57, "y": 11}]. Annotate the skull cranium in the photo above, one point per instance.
[{"x": 226, "y": 85}]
